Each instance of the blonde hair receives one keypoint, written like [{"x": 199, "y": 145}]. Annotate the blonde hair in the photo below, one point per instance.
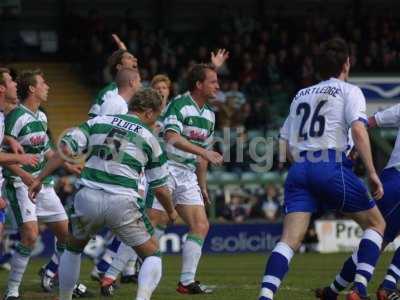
[{"x": 160, "y": 78}]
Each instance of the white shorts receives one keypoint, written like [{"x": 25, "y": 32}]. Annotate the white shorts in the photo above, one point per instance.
[
  {"x": 47, "y": 209},
  {"x": 95, "y": 209},
  {"x": 184, "y": 187}
]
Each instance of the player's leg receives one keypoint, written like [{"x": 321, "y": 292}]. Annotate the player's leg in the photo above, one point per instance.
[
  {"x": 347, "y": 193},
  {"x": 390, "y": 209},
  {"x": 190, "y": 207},
  {"x": 106, "y": 259},
  {"x": 294, "y": 228},
  {"x": 135, "y": 230},
  {"x": 50, "y": 211},
  {"x": 388, "y": 288},
  {"x": 2, "y": 221},
  {"x": 70, "y": 264},
  {"x": 24, "y": 212},
  {"x": 159, "y": 220},
  {"x": 299, "y": 206},
  {"x": 196, "y": 218},
  {"x": 156, "y": 214},
  {"x": 373, "y": 224},
  {"x": 86, "y": 219},
  {"x": 151, "y": 271},
  {"x": 124, "y": 254}
]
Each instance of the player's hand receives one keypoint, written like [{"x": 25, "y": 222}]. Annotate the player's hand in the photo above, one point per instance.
[
  {"x": 219, "y": 58},
  {"x": 120, "y": 44},
  {"x": 172, "y": 216},
  {"x": 3, "y": 203},
  {"x": 15, "y": 146},
  {"x": 34, "y": 189},
  {"x": 204, "y": 194},
  {"x": 75, "y": 169},
  {"x": 213, "y": 157},
  {"x": 28, "y": 159},
  {"x": 353, "y": 155},
  {"x": 372, "y": 122},
  {"x": 376, "y": 186}
]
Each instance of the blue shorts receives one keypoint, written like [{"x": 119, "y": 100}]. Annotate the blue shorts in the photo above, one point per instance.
[
  {"x": 389, "y": 205},
  {"x": 2, "y": 216},
  {"x": 314, "y": 186}
]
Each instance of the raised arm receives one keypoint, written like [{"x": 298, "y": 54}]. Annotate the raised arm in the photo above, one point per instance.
[{"x": 219, "y": 58}]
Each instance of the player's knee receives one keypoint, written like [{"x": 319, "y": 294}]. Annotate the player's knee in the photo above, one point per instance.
[
  {"x": 294, "y": 244},
  {"x": 62, "y": 235},
  {"x": 29, "y": 239},
  {"x": 379, "y": 225},
  {"x": 201, "y": 228}
]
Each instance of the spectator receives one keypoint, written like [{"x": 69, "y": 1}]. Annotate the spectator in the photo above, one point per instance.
[
  {"x": 268, "y": 205},
  {"x": 239, "y": 206}
]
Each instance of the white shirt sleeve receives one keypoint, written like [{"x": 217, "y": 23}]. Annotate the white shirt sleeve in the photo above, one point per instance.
[
  {"x": 355, "y": 107},
  {"x": 285, "y": 130},
  {"x": 389, "y": 117}
]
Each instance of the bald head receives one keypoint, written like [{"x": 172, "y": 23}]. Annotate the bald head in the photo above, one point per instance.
[{"x": 126, "y": 76}]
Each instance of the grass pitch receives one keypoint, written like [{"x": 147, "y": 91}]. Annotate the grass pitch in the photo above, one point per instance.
[{"x": 236, "y": 277}]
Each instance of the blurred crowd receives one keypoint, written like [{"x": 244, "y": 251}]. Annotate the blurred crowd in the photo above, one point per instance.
[
  {"x": 269, "y": 59},
  {"x": 239, "y": 204}
]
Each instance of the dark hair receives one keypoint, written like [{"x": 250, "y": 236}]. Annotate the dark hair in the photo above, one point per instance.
[
  {"x": 198, "y": 73},
  {"x": 144, "y": 99},
  {"x": 2, "y": 72},
  {"x": 26, "y": 79},
  {"x": 333, "y": 54},
  {"x": 114, "y": 60}
]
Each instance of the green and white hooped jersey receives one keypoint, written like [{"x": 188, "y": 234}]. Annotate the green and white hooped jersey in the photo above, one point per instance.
[
  {"x": 118, "y": 147},
  {"x": 30, "y": 130},
  {"x": 195, "y": 124},
  {"x": 109, "y": 91}
]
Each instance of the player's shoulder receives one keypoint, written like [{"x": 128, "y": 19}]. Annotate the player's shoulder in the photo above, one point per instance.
[
  {"x": 182, "y": 100},
  {"x": 346, "y": 86},
  {"x": 15, "y": 114},
  {"x": 110, "y": 87}
]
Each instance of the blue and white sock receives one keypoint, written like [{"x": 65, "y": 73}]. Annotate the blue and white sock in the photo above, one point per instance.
[
  {"x": 106, "y": 260},
  {"x": 276, "y": 269},
  {"x": 367, "y": 257},
  {"x": 52, "y": 266},
  {"x": 393, "y": 273},
  {"x": 346, "y": 275}
]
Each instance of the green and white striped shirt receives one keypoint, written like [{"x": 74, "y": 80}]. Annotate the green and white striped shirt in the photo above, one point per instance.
[
  {"x": 109, "y": 91},
  {"x": 118, "y": 148},
  {"x": 195, "y": 124},
  {"x": 30, "y": 130}
]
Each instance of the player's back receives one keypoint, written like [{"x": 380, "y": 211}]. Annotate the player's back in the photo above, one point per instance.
[
  {"x": 319, "y": 119},
  {"x": 321, "y": 115},
  {"x": 119, "y": 147}
]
